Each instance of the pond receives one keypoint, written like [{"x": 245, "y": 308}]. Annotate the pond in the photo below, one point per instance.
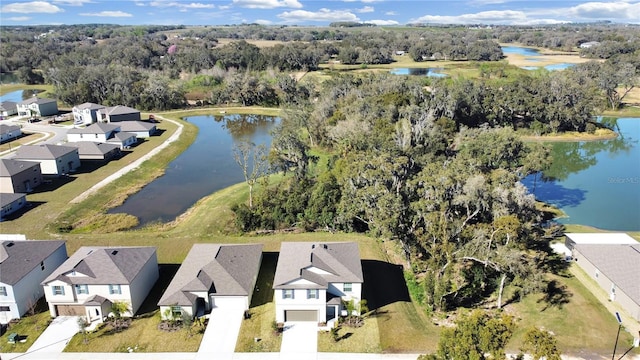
[
  {"x": 205, "y": 167},
  {"x": 431, "y": 72},
  {"x": 552, "y": 67},
  {"x": 18, "y": 96},
  {"x": 595, "y": 183},
  {"x": 520, "y": 51}
]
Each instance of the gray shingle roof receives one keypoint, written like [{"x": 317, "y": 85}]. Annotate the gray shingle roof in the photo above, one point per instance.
[
  {"x": 341, "y": 260},
  {"x": 44, "y": 151},
  {"x": 136, "y": 126},
  {"x": 18, "y": 258},
  {"x": 36, "y": 100},
  {"x": 122, "y": 136},
  {"x": 103, "y": 265},
  {"x": 8, "y": 198},
  {"x": 7, "y": 106},
  {"x": 97, "y": 128},
  {"x": 620, "y": 263},
  {"x": 90, "y": 106},
  {"x": 119, "y": 110},
  {"x": 10, "y": 167},
  {"x": 4, "y": 128},
  {"x": 218, "y": 269},
  {"x": 94, "y": 148}
]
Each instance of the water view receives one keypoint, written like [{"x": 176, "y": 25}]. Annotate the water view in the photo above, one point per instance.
[
  {"x": 205, "y": 167},
  {"x": 431, "y": 72},
  {"x": 520, "y": 51},
  {"x": 596, "y": 183},
  {"x": 17, "y": 96}
]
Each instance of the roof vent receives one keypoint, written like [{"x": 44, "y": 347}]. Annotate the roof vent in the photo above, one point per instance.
[
  {"x": 10, "y": 244},
  {"x": 313, "y": 246},
  {"x": 325, "y": 246},
  {"x": 114, "y": 252}
]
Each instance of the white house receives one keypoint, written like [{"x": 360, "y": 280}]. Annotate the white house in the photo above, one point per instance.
[
  {"x": 53, "y": 159},
  {"x": 140, "y": 129},
  {"x": 123, "y": 139},
  {"x": 36, "y": 106},
  {"x": 313, "y": 280},
  {"x": 118, "y": 113},
  {"x": 89, "y": 150},
  {"x": 212, "y": 276},
  {"x": 86, "y": 114},
  {"x": 9, "y": 132},
  {"x": 23, "y": 265},
  {"x": 94, "y": 278},
  {"x": 10, "y": 203},
  {"x": 98, "y": 132},
  {"x": 8, "y": 108}
]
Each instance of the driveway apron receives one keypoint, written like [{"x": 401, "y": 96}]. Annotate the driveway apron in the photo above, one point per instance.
[
  {"x": 299, "y": 341},
  {"x": 56, "y": 336},
  {"x": 221, "y": 335}
]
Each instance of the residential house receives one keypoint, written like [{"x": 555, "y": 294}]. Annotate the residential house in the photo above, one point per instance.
[
  {"x": 124, "y": 139},
  {"x": 98, "y": 132},
  {"x": 19, "y": 176},
  {"x": 313, "y": 280},
  {"x": 8, "y": 108},
  {"x": 589, "y": 44},
  {"x": 11, "y": 203},
  {"x": 9, "y": 132},
  {"x": 23, "y": 266},
  {"x": 89, "y": 150},
  {"x": 36, "y": 106},
  {"x": 94, "y": 278},
  {"x": 86, "y": 114},
  {"x": 141, "y": 129},
  {"x": 118, "y": 113},
  {"x": 53, "y": 159},
  {"x": 212, "y": 276}
]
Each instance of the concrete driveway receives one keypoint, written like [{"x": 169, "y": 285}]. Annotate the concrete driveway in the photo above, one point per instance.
[
  {"x": 299, "y": 340},
  {"x": 221, "y": 335},
  {"x": 56, "y": 336}
]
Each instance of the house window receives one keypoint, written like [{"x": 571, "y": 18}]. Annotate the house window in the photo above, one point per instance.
[
  {"x": 176, "y": 312},
  {"x": 58, "y": 290},
  {"x": 115, "y": 289},
  {"x": 347, "y": 287},
  {"x": 5, "y": 308},
  {"x": 42, "y": 265},
  {"x": 287, "y": 294},
  {"x": 313, "y": 294},
  {"x": 3, "y": 291},
  {"x": 82, "y": 289}
]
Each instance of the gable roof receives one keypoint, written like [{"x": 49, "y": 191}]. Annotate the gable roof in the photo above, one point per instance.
[
  {"x": 118, "y": 110},
  {"x": 43, "y": 151},
  {"x": 89, "y": 106},
  {"x": 97, "y": 128},
  {"x": 10, "y": 167},
  {"x": 136, "y": 126},
  {"x": 122, "y": 136},
  {"x": 8, "y": 198},
  {"x": 94, "y": 148},
  {"x": 36, "y": 100},
  {"x": 103, "y": 265},
  {"x": 7, "y": 106},
  {"x": 618, "y": 262},
  {"x": 19, "y": 257},
  {"x": 216, "y": 269},
  {"x": 319, "y": 263},
  {"x": 4, "y": 128}
]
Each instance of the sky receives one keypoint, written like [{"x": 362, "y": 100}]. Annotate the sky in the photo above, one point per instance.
[{"x": 314, "y": 12}]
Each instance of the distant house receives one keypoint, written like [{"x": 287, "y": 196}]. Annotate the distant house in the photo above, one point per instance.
[
  {"x": 312, "y": 280},
  {"x": 11, "y": 202},
  {"x": 89, "y": 150},
  {"x": 118, "y": 113},
  {"x": 8, "y": 108},
  {"x": 24, "y": 264},
  {"x": 98, "y": 132},
  {"x": 94, "y": 278},
  {"x": 53, "y": 159},
  {"x": 9, "y": 132},
  {"x": 212, "y": 276},
  {"x": 140, "y": 128},
  {"x": 589, "y": 44},
  {"x": 19, "y": 176},
  {"x": 36, "y": 106},
  {"x": 86, "y": 114}
]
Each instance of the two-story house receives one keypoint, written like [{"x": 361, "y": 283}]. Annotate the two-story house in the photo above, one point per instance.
[
  {"x": 54, "y": 159},
  {"x": 94, "y": 278},
  {"x": 313, "y": 280},
  {"x": 9, "y": 132},
  {"x": 23, "y": 265},
  {"x": 118, "y": 113},
  {"x": 19, "y": 176},
  {"x": 103, "y": 133},
  {"x": 86, "y": 114},
  {"x": 36, "y": 106}
]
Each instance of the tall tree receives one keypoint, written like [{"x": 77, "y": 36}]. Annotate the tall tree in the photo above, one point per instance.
[{"x": 252, "y": 160}]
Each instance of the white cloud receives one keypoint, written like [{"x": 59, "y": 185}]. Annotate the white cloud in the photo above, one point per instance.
[
  {"x": 263, "y": 22},
  {"x": 618, "y": 10},
  {"x": 198, "y": 6},
  {"x": 72, "y": 2},
  {"x": 267, "y": 4},
  {"x": 382, "y": 22},
  {"x": 364, "y": 1},
  {"x": 320, "y": 15},
  {"x": 19, "y": 18},
  {"x": 108, "y": 14},
  {"x": 391, "y": 13},
  {"x": 224, "y": 7},
  {"x": 31, "y": 7},
  {"x": 493, "y": 17},
  {"x": 181, "y": 5},
  {"x": 366, "y": 9}
]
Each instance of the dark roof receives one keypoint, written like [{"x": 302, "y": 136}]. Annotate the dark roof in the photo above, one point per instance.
[
  {"x": 4, "y": 128},
  {"x": 44, "y": 151},
  {"x": 7, "y": 105},
  {"x": 136, "y": 126},
  {"x": 19, "y": 257},
  {"x": 97, "y": 128},
  {"x": 119, "y": 110},
  {"x": 36, "y": 100},
  {"x": 8, "y": 198},
  {"x": 90, "y": 106},
  {"x": 216, "y": 269},
  {"x": 620, "y": 263},
  {"x": 319, "y": 263},
  {"x": 103, "y": 265},
  {"x": 94, "y": 148},
  {"x": 10, "y": 167}
]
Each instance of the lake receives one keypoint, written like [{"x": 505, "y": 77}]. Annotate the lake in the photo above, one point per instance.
[
  {"x": 18, "y": 96},
  {"x": 531, "y": 56},
  {"x": 205, "y": 167},
  {"x": 596, "y": 183},
  {"x": 520, "y": 51},
  {"x": 431, "y": 72}
]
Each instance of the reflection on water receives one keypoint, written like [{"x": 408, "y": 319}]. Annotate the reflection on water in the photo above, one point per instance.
[
  {"x": 205, "y": 167},
  {"x": 431, "y": 72},
  {"x": 18, "y": 96},
  {"x": 596, "y": 183}
]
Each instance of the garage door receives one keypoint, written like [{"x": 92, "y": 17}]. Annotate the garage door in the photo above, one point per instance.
[
  {"x": 70, "y": 310},
  {"x": 301, "y": 315}
]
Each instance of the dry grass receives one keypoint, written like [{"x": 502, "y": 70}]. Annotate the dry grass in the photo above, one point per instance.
[
  {"x": 26, "y": 138},
  {"x": 573, "y": 136},
  {"x": 364, "y": 339}
]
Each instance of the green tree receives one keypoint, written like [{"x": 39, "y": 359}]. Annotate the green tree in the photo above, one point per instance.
[{"x": 541, "y": 344}]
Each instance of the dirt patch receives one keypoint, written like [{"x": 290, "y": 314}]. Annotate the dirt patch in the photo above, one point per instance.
[{"x": 545, "y": 59}]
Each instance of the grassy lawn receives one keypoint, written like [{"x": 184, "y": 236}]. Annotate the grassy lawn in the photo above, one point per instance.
[
  {"x": 24, "y": 139},
  {"x": 28, "y": 327},
  {"x": 356, "y": 340}
]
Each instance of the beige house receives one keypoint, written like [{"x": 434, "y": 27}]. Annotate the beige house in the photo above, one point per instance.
[
  {"x": 19, "y": 176},
  {"x": 54, "y": 159}
]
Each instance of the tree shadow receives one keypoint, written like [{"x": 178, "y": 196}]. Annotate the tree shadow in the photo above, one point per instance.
[
  {"x": 384, "y": 284},
  {"x": 166, "y": 274},
  {"x": 553, "y": 193},
  {"x": 556, "y": 294},
  {"x": 263, "y": 292}
]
